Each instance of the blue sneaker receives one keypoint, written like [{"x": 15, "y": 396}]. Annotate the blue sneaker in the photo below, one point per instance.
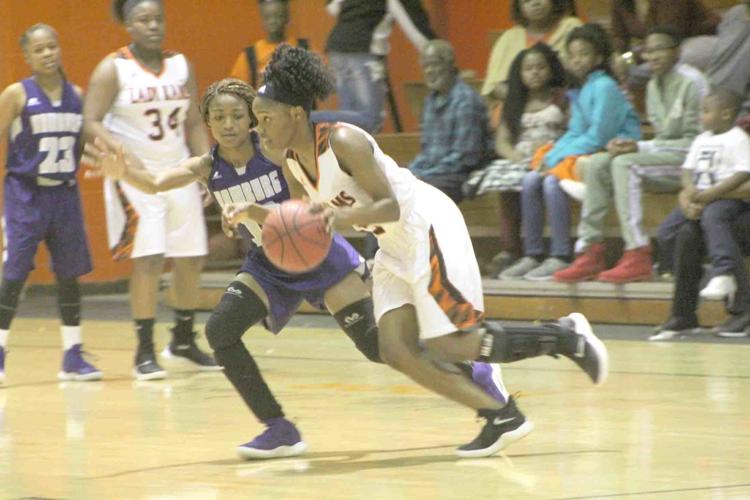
[
  {"x": 2, "y": 365},
  {"x": 74, "y": 367},
  {"x": 487, "y": 376},
  {"x": 280, "y": 439}
]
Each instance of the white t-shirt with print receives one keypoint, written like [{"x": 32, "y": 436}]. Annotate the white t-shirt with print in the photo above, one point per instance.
[{"x": 716, "y": 157}]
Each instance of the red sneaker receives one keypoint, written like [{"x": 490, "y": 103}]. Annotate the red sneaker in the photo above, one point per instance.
[
  {"x": 586, "y": 266},
  {"x": 635, "y": 265}
]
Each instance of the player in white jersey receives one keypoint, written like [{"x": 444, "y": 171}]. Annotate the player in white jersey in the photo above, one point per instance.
[
  {"x": 145, "y": 98},
  {"x": 427, "y": 287}
]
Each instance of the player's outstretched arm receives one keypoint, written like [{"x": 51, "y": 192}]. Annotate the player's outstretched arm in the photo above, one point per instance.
[{"x": 113, "y": 162}]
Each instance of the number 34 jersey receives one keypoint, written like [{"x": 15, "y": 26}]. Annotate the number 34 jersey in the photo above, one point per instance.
[
  {"x": 44, "y": 140},
  {"x": 148, "y": 114}
]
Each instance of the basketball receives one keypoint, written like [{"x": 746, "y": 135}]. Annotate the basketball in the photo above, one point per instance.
[{"x": 295, "y": 240}]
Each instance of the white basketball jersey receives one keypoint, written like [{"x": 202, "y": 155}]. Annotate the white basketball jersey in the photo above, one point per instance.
[
  {"x": 333, "y": 186},
  {"x": 148, "y": 115}
]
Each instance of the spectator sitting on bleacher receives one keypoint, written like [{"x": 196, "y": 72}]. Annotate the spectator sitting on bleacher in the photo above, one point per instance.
[
  {"x": 717, "y": 164},
  {"x": 690, "y": 252},
  {"x": 730, "y": 64},
  {"x": 455, "y": 127},
  {"x": 600, "y": 112},
  {"x": 673, "y": 99},
  {"x": 632, "y": 19},
  {"x": 534, "y": 114},
  {"x": 548, "y": 21},
  {"x": 249, "y": 65}
]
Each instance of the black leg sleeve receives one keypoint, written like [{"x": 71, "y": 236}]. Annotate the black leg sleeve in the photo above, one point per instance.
[
  {"x": 69, "y": 301},
  {"x": 239, "y": 309}
]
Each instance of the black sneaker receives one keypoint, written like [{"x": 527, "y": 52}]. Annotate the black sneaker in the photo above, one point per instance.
[
  {"x": 146, "y": 367},
  {"x": 190, "y": 353},
  {"x": 735, "y": 327},
  {"x": 590, "y": 353},
  {"x": 675, "y": 327},
  {"x": 503, "y": 428}
]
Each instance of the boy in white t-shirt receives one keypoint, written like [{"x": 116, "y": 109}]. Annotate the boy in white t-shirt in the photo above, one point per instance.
[{"x": 717, "y": 164}]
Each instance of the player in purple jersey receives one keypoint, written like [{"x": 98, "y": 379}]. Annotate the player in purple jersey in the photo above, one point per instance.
[
  {"x": 41, "y": 117},
  {"x": 239, "y": 174}
]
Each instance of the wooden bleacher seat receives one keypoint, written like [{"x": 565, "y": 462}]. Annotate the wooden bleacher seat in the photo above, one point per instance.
[{"x": 482, "y": 213}]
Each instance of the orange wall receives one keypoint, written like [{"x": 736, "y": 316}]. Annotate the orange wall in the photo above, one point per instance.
[{"x": 211, "y": 33}]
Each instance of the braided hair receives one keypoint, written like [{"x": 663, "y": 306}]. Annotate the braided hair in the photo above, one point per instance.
[{"x": 230, "y": 86}]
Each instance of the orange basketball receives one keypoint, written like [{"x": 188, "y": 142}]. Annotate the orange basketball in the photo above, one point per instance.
[{"x": 294, "y": 239}]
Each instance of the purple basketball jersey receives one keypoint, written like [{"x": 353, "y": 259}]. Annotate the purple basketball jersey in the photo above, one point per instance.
[
  {"x": 263, "y": 182},
  {"x": 45, "y": 139},
  {"x": 260, "y": 181}
]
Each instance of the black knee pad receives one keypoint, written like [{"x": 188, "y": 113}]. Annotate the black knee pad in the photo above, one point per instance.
[
  {"x": 69, "y": 301},
  {"x": 358, "y": 322},
  {"x": 239, "y": 309}
]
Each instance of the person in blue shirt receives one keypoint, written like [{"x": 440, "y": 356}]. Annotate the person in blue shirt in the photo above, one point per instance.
[
  {"x": 599, "y": 112},
  {"x": 456, "y": 136}
]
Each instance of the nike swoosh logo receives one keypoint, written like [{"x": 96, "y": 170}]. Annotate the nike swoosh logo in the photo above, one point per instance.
[
  {"x": 499, "y": 421},
  {"x": 143, "y": 364}
]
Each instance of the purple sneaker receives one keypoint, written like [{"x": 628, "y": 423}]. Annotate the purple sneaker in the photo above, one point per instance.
[
  {"x": 487, "y": 376},
  {"x": 2, "y": 365},
  {"x": 280, "y": 439},
  {"x": 74, "y": 367}
]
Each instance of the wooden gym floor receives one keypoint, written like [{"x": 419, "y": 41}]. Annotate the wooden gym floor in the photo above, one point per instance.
[{"x": 673, "y": 422}]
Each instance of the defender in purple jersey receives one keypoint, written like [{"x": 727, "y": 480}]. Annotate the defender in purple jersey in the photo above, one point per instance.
[
  {"x": 238, "y": 173},
  {"x": 41, "y": 117}
]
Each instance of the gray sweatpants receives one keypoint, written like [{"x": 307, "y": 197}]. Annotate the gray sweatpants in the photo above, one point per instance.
[{"x": 625, "y": 177}]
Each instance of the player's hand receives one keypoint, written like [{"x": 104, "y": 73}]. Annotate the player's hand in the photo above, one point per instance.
[
  {"x": 326, "y": 212},
  {"x": 232, "y": 215},
  {"x": 206, "y": 196},
  {"x": 105, "y": 161}
]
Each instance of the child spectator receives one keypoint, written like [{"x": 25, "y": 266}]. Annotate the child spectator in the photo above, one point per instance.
[
  {"x": 673, "y": 100},
  {"x": 690, "y": 252},
  {"x": 600, "y": 112},
  {"x": 718, "y": 163},
  {"x": 535, "y": 114},
  {"x": 547, "y": 21},
  {"x": 250, "y": 63},
  {"x": 456, "y": 137}
]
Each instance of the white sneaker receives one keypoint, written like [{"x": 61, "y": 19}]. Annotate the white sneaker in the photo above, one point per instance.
[
  {"x": 574, "y": 189},
  {"x": 720, "y": 288}
]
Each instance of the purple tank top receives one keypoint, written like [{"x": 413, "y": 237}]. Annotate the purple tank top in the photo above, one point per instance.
[
  {"x": 44, "y": 141},
  {"x": 260, "y": 181}
]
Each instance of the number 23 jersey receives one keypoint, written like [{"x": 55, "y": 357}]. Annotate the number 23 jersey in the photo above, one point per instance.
[
  {"x": 148, "y": 114},
  {"x": 44, "y": 139}
]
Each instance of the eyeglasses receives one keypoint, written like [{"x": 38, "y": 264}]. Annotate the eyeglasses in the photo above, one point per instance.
[{"x": 651, "y": 50}]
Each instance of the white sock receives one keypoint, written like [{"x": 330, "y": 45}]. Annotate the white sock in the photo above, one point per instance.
[
  {"x": 71, "y": 335},
  {"x": 4, "y": 338}
]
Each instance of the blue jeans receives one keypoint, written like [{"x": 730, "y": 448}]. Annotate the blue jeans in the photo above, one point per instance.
[
  {"x": 716, "y": 224},
  {"x": 360, "y": 85},
  {"x": 537, "y": 193}
]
